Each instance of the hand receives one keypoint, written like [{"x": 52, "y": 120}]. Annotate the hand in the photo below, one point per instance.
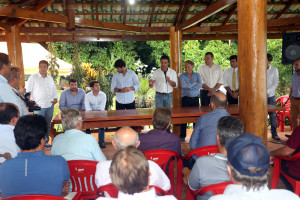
[
  {"x": 271, "y": 160},
  {"x": 54, "y": 101},
  {"x": 168, "y": 79},
  {"x": 195, "y": 82},
  {"x": 235, "y": 95},
  {"x": 151, "y": 82},
  {"x": 22, "y": 91},
  {"x": 124, "y": 89},
  {"x": 210, "y": 94},
  {"x": 128, "y": 89}
]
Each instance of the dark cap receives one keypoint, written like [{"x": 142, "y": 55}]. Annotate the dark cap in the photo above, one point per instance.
[{"x": 248, "y": 150}]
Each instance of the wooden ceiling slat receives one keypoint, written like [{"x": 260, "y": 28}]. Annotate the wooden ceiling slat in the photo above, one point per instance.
[
  {"x": 212, "y": 9},
  {"x": 185, "y": 9},
  {"x": 232, "y": 10},
  {"x": 284, "y": 9},
  {"x": 4, "y": 26}
]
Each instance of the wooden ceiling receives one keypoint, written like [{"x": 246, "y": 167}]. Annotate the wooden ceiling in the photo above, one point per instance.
[{"x": 118, "y": 20}]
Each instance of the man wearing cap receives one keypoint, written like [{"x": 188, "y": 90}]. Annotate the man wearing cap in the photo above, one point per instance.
[
  {"x": 212, "y": 169},
  {"x": 248, "y": 163},
  {"x": 295, "y": 95}
]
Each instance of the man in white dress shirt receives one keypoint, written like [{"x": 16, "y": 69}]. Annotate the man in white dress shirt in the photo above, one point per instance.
[
  {"x": 130, "y": 173},
  {"x": 123, "y": 138},
  {"x": 231, "y": 81},
  {"x": 96, "y": 101},
  {"x": 212, "y": 78},
  {"x": 9, "y": 116},
  {"x": 272, "y": 83},
  {"x": 164, "y": 80},
  {"x": 43, "y": 92}
]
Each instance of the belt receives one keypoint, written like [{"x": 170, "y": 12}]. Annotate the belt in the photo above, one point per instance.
[
  {"x": 163, "y": 93},
  {"x": 297, "y": 98}
]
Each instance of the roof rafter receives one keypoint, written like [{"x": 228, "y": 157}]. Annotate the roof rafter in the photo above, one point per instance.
[
  {"x": 186, "y": 7},
  {"x": 125, "y": 11},
  {"x": 152, "y": 12},
  {"x": 212, "y": 9},
  {"x": 69, "y": 12},
  {"x": 284, "y": 9},
  {"x": 231, "y": 12}
]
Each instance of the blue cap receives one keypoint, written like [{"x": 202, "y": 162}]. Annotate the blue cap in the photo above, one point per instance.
[{"x": 248, "y": 150}]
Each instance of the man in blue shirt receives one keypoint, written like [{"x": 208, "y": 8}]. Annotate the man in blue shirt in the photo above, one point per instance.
[
  {"x": 31, "y": 171},
  {"x": 190, "y": 83},
  {"x": 205, "y": 132},
  {"x": 124, "y": 83},
  {"x": 72, "y": 97},
  {"x": 6, "y": 93}
]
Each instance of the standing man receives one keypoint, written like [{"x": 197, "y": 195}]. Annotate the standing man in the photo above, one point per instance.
[
  {"x": 44, "y": 93},
  {"x": 212, "y": 78},
  {"x": 124, "y": 83},
  {"x": 272, "y": 83},
  {"x": 72, "y": 97},
  {"x": 6, "y": 93},
  {"x": 164, "y": 80},
  {"x": 190, "y": 83},
  {"x": 295, "y": 95},
  {"x": 231, "y": 81},
  {"x": 95, "y": 101}
]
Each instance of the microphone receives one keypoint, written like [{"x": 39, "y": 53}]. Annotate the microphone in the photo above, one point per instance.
[{"x": 166, "y": 76}]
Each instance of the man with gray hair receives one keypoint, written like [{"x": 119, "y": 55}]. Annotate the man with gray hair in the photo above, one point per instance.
[
  {"x": 130, "y": 173},
  {"x": 123, "y": 138},
  {"x": 212, "y": 169},
  {"x": 74, "y": 144},
  {"x": 248, "y": 163}
]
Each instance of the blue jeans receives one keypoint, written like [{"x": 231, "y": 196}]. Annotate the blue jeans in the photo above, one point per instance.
[
  {"x": 272, "y": 115},
  {"x": 101, "y": 132},
  {"x": 164, "y": 100},
  {"x": 48, "y": 114}
]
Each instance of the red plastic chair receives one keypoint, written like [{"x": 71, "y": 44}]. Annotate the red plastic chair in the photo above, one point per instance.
[
  {"x": 277, "y": 171},
  {"x": 113, "y": 192},
  {"x": 165, "y": 159},
  {"x": 217, "y": 188},
  {"x": 34, "y": 197},
  {"x": 202, "y": 151},
  {"x": 282, "y": 114},
  {"x": 82, "y": 175}
]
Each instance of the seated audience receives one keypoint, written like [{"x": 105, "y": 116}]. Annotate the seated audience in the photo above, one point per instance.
[
  {"x": 74, "y": 144},
  {"x": 292, "y": 146},
  {"x": 159, "y": 137},
  {"x": 205, "y": 133},
  {"x": 31, "y": 171},
  {"x": 248, "y": 163},
  {"x": 9, "y": 116},
  {"x": 72, "y": 97},
  {"x": 124, "y": 137},
  {"x": 212, "y": 169},
  {"x": 130, "y": 173}
]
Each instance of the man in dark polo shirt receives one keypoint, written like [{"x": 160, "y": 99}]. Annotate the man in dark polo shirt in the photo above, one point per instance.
[
  {"x": 159, "y": 138},
  {"x": 291, "y": 147}
]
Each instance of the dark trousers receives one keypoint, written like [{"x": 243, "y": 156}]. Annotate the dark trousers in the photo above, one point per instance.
[
  {"x": 231, "y": 100},
  {"x": 205, "y": 100},
  {"x": 120, "y": 106},
  {"x": 285, "y": 169},
  {"x": 101, "y": 134},
  {"x": 272, "y": 116},
  {"x": 187, "y": 102}
]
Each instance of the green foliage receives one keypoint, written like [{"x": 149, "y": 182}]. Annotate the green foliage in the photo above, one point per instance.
[
  {"x": 53, "y": 65},
  {"x": 158, "y": 49},
  {"x": 104, "y": 82},
  {"x": 77, "y": 71}
]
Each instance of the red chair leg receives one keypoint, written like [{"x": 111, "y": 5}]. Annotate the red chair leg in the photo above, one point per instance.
[
  {"x": 276, "y": 171},
  {"x": 189, "y": 194}
]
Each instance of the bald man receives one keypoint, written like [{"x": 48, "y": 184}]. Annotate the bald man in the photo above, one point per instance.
[
  {"x": 205, "y": 131},
  {"x": 123, "y": 138}
]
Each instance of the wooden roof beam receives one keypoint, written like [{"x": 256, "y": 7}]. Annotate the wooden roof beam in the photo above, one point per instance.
[
  {"x": 32, "y": 15},
  {"x": 125, "y": 11},
  {"x": 288, "y": 5},
  {"x": 70, "y": 14},
  {"x": 178, "y": 13},
  {"x": 152, "y": 13},
  {"x": 187, "y": 4},
  {"x": 231, "y": 12},
  {"x": 211, "y": 10},
  {"x": 4, "y": 26}
]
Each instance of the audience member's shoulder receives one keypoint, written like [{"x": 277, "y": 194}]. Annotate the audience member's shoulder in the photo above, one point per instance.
[
  {"x": 282, "y": 193},
  {"x": 81, "y": 90},
  {"x": 171, "y": 197},
  {"x": 56, "y": 158}
]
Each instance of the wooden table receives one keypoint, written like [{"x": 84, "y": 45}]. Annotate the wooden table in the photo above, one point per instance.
[{"x": 143, "y": 116}]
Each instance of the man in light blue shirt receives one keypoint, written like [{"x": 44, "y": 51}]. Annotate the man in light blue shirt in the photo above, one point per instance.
[
  {"x": 190, "y": 83},
  {"x": 74, "y": 144},
  {"x": 124, "y": 83},
  {"x": 72, "y": 97},
  {"x": 6, "y": 93},
  {"x": 205, "y": 132}
]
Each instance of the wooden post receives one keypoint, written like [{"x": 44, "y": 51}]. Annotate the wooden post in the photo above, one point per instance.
[
  {"x": 252, "y": 53},
  {"x": 175, "y": 61},
  {"x": 14, "y": 49}
]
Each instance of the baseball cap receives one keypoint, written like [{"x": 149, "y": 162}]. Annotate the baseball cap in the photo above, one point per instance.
[{"x": 248, "y": 150}]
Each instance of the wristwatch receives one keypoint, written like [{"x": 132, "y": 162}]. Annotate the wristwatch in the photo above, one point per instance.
[{"x": 119, "y": 90}]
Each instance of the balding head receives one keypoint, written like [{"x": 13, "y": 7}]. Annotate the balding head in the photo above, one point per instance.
[
  {"x": 218, "y": 101},
  {"x": 125, "y": 137}
]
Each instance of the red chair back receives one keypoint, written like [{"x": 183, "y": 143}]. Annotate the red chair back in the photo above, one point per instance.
[
  {"x": 82, "y": 175},
  {"x": 34, "y": 197},
  {"x": 277, "y": 171},
  {"x": 165, "y": 159},
  {"x": 202, "y": 151},
  {"x": 284, "y": 102}
]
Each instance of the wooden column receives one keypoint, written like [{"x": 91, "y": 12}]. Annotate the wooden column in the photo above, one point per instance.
[
  {"x": 14, "y": 49},
  {"x": 252, "y": 60},
  {"x": 175, "y": 62}
]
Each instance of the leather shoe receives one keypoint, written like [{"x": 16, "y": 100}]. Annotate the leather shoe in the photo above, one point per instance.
[
  {"x": 275, "y": 137},
  {"x": 288, "y": 136},
  {"x": 102, "y": 145}
]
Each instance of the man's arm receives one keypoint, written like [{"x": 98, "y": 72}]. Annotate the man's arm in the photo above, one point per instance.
[
  {"x": 283, "y": 151},
  {"x": 194, "y": 177},
  {"x": 87, "y": 103},
  {"x": 103, "y": 102},
  {"x": 217, "y": 86},
  {"x": 158, "y": 176},
  {"x": 113, "y": 86},
  {"x": 183, "y": 82},
  {"x": 62, "y": 101},
  {"x": 195, "y": 135},
  {"x": 172, "y": 83},
  {"x": 275, "y": 80},
  {"x": 136, "y": 83},
  {"x": 198, "y": 85},
  {"x": 152, "y": 80},
  {"x": 82, "y": 100},
  {"x": 95, "y": 150}
]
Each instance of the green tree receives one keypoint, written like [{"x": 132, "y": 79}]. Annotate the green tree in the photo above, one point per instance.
[
  {"x": 53, "y": 65},
  {"x": 77, "y": 71}
]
